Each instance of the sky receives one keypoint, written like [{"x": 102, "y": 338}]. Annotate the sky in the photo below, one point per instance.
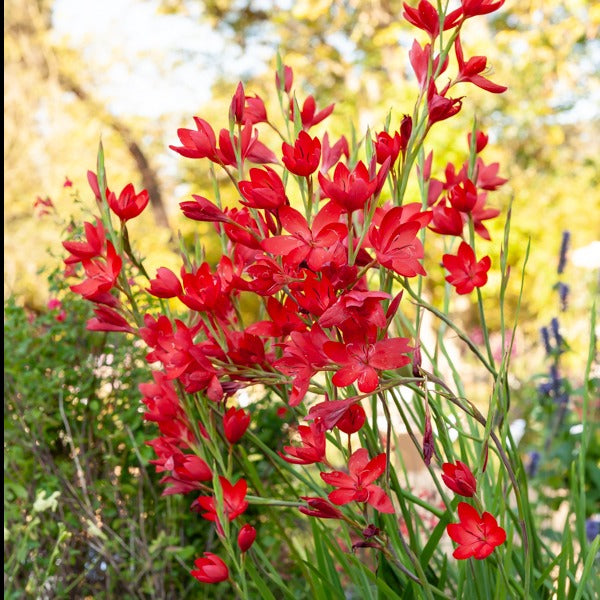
[{"x": 149, "y": 64}]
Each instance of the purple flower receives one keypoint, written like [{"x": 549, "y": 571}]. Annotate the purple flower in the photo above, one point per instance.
[
  {"x": 563, "y": 292},
  {"x": 534, "y": 463},
  {"x": 592, "y": 528},
  {"x": 564, "y": 246}
]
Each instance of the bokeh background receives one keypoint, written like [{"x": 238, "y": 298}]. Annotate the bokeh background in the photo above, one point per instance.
[{"x": 130, "y": 72}]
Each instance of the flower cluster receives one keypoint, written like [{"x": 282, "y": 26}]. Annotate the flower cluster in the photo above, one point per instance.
[{"x": 327, "y": 242}]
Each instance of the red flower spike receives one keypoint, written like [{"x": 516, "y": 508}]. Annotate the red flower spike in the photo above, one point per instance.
[
  {"x": 165, "y": 285},
  {"x": 235, "y": 423},
  {"x": 459, "y": 478},
  {"x": 476, "y": 535},
  {"x": 470, "y": 71},
  {"x": 312, "y": 449},
  {"x": 352, "y": 420},
  {"x": 357, "y": 486},
  {"x": 210, "y": 569},
  {"x": 303, "y": 157},
  {"x": 320, "y": 508},
  {"x": 129, "y": 204},
  {"x": 264, "y": 190},
  {"x": 197, "y": 144},
  {"x": 234, "y": 503},
  {"x": 465, "y": 273},
  {"x": 246, "y": 537}
]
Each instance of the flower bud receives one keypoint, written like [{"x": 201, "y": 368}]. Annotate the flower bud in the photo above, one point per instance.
[
  {"x": 246, "y": 537},
  {"x": 235, "y": 423}
]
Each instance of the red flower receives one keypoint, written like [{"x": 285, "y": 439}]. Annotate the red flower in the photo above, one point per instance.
[
  {"x": 250, "y": 147},
  {"x": 210, "y": 569},
  {"x": 166, "y": 284},
  {"x": 264, "y": 190},
  {"x": 91, "y": 248},
  {"x": 234, "y": 503},
  {"x": 317, "y": 247},
  {"x": 363, "y": 361},
  {"x": 441, "y": 108},
  {"x": 246, "y": 537},
  {"x": 235, "y": 423},
  {"x": 426, "y": 17},
  {"x": 67, "y": 183},
  {"x": 352, "y": 420},
  {"x": 129, "y": 204},
  {"x": 356, "y": 307},
  {"x": 481, "y": 140},
  {"x": 303, "y": 157},
  {"x": 254, "y": 111},
  {"x": 302, "y": 357},
  {"x": 107, "y": 319},
  {"x": 203, "y": 209},
  {"x": 477, "y": 536},
  {"x": 312, "y": 449},
  {"x": 308, "y": 113},
  {"x": 459, "y": 479},
  {"x": 472, "y": 8},
  {"x": 387, "y": 146},
  {"x": 197, "y": 144},
  {"x": 288, "y": 79},
  {"x": 463, "y": 197},
  {"x": 357, "y": 486},
  {"x": 238, "y": 102},
  {"x": 349, "y": 189},
  {"x": 470, "y": 71},
  {"x": 319, "y": 508},
  {"x": 446, "y": 220},
  {"x": 101, "y": 274},
  {"x": 396, "y": 244},
  {"x": 465, "y": 273},
  {"x": 330, "y": 155}
]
